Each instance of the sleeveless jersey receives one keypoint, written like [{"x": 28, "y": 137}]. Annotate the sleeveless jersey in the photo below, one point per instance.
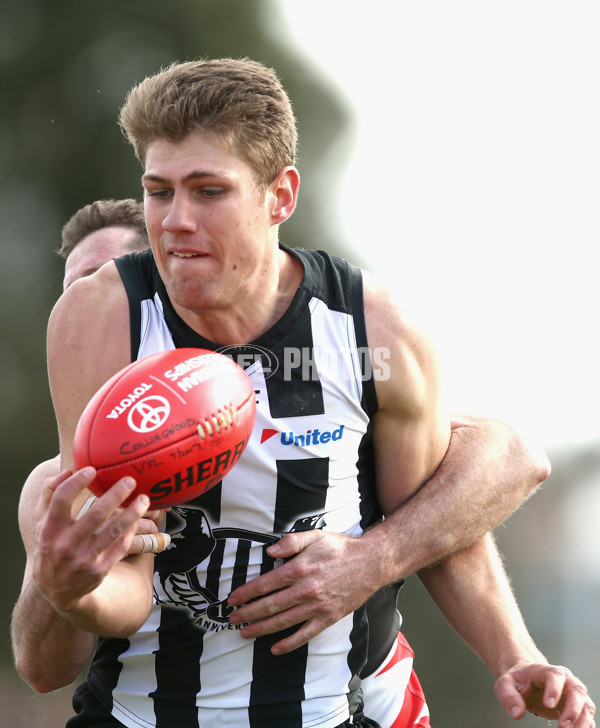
[{"x": 309, "y": 464}]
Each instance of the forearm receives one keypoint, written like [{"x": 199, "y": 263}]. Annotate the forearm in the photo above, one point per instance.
[
  {"x": 119, "y": 605},
  {"x": 49, "y": 651},
  {"x": 488, "y": 471},
  {"x": 473, "y": 592}
]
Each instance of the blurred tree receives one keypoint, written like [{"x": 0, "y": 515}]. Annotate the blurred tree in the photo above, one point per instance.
[{"x": 65, "y": 68}]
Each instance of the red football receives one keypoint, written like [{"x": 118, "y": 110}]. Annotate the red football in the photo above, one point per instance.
[{"x": 176, "y": 421}]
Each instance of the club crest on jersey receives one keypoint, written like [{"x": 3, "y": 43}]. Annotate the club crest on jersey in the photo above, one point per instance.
[
  {"x": 184, "y": 572},
  {"x": 310, "y": 437}
]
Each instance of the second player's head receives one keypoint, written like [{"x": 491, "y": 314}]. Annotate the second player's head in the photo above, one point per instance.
[{"x": 99, "y": 232}]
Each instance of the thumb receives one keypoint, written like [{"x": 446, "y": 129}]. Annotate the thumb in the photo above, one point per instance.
[{"x": 508, "y": 693}]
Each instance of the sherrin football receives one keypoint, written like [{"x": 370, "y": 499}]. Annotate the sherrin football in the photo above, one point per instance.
[{"x": 176, "y": 421}]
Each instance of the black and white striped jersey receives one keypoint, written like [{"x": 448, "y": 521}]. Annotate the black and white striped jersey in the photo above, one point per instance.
[{"x": 309, "y": 464}]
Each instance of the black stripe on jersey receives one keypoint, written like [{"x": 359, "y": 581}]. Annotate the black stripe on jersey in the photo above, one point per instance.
[
  {"x": 359, "y": 638},
  {"x": 284, "y": 676},
  {"x": 240, "y": 569},
  {"x": 369, "y": 396},
  {"x": 384, "y": 623},
  {"x": 213, "y": 570},
  {"x": 132, "y": 268},
  {"x": 177, "y": 671},
  {"x": 295, "y": 390},
  {"x": 210, "y": 502},
  {"x": 301, "y": 491},
  {"x": 370, "y": 511},
  {"x": 106, "y": 668},
  {"x": 304, "y": 483},
  {"x": 325, "y": 276}
]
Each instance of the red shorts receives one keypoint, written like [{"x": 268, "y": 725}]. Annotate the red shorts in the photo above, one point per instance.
[{"x": 393, "y": 694}]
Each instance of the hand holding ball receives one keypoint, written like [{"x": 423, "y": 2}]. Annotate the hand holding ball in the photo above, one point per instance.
[{"x": 177, "y": 422}]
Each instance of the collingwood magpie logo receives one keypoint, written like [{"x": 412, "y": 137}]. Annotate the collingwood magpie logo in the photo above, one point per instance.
[{"x": 187, "y": 575}]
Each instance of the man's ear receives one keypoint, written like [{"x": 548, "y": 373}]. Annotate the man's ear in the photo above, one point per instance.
[{"x": 284, "y": 194}]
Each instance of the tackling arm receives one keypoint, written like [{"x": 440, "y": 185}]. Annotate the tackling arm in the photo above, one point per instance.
[{"x": 473, "y": 592}]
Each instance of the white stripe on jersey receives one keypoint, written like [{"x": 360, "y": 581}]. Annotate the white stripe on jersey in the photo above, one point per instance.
[{"x": 154, "y": 332}]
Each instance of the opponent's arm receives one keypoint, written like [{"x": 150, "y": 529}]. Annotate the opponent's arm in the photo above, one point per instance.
[
  {"x": 473, "y": 592},
  {"x": 487, "y": 472}
]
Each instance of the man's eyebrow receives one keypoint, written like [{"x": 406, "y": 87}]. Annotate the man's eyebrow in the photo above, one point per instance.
[{"x": 196, "y": 174}]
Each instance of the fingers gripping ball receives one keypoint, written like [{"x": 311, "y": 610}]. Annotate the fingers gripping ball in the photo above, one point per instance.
[{"x": 177, "y": 422}]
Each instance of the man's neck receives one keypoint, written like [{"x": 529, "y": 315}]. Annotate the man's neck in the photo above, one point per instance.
[{"x": 255, "y": 312}]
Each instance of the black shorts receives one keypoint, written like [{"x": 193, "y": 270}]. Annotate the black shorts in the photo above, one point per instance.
[
  {"x": 92, "y": 714},
  {"x": 90, "y": 711}
]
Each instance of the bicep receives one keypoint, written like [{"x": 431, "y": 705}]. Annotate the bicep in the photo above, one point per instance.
[
  {"x": 411, "y": 428},
  {"x": 409, "y": 448}
]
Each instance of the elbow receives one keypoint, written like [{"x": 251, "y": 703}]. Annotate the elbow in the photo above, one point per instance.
[
  {"x": 532, "y": 462},
  {"x": 43, "y": 681},
  {"x": 42, "y": 686},
  {"x": 542, "y": 468}
]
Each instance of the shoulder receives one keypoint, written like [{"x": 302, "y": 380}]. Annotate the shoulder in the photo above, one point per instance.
[
  {"x": 89, "y": 321},
  {"x": 411, "y": 427},
  {"x": 384, "y": 315},
  {"x": 88, "y": 304},
  {"x": 88, "y": 341},
  {"x": 411, "y": 354}
]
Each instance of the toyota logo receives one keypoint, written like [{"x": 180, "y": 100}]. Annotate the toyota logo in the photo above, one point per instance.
[{"x": 148, "y": 414}]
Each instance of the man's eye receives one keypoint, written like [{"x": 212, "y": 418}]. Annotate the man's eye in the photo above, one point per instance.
[
  {"x": 158, "y": 193},
  {"x": 211, "y": 191}
]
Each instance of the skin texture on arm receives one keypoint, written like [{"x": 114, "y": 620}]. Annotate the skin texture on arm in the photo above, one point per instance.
[
  {"x": 82, "y": 574},
  {"x": 473, "y": 592},
  {"x": 48, "y": 651},
  {"x": 487, "y": 472}
]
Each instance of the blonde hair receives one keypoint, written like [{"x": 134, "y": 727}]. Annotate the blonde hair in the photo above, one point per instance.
[{"x": 239, "y": 100}]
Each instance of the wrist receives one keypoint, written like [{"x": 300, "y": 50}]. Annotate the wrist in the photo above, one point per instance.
[
  {"x": 517, "y": 656},
  {"x": 380, "y": 561}
]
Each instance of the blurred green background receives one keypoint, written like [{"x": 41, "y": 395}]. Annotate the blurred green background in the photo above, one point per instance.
[{"x": 65, "y": 67}]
